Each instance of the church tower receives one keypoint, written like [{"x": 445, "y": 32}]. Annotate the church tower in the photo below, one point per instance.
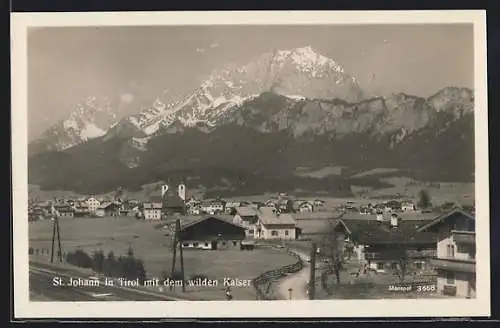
[
  {"x": 181, "y": 191},
  {"x": 164, "y": 189}
]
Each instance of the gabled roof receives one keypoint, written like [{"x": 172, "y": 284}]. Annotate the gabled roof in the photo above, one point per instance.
[
  {"x": 268, "y": 216},
  {"x": 376, "y": 232},
  {"x": 246, "y": 211},
  {"x": 189, "y": 221},
  {"x": 172, "y": 199},
  {"x": 315, "y": 215},
  {"x": 152, "y": 206},
  {"x": 155, "y": 199},
  {"x": 443, "y": 217}
]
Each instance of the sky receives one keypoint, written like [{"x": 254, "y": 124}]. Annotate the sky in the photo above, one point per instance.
[{"x": 67, "y": 64}]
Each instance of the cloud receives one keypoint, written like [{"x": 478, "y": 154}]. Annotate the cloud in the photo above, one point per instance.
[
  {"x": 200, "y": 50},
  {"x": 214, "y": 45}
]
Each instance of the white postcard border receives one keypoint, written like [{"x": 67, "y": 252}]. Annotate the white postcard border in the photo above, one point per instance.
[{"x": 23, "y": 308}]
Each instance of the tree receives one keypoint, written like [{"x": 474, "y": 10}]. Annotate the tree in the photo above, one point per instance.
[
  {"x": 332, "y": 249},
  {"x": 424, "y": 199},
  {"x": 98, "y": 259},
  {"x": 110, "y": 266},
  {"x": 402, "y": 264}
]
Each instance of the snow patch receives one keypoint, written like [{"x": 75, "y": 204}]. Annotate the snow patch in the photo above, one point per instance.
[{"x": 91, "y": 131}]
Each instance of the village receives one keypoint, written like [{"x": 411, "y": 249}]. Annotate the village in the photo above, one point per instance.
[{"x": 395, "y": 243}]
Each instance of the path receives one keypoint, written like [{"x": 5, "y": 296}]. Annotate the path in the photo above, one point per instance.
[{"x": 297, "y": 281}]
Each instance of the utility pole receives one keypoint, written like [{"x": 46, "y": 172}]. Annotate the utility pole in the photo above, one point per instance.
[
  {"x": 312, "y": 274},
  {"x": 178, "y": 241},
  {"x": 55, "y": 234}
]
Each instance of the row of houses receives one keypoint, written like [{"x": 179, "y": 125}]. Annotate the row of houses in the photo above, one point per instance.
[
  {"x": 89, "y": 207},
  {"x": 443, "y": 244}
]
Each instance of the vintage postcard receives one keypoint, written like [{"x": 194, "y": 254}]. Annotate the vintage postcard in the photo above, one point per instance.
[{"x": 250, "y": 164}]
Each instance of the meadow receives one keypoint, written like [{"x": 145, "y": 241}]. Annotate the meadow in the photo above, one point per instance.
[{"x": 150, "y": 244}]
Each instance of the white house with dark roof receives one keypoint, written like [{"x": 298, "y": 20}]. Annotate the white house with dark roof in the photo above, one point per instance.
[
  {"x": 455, "y": 262},
  {"x": 93, "y": 204},
  {"x": 247, "y": 216},
  {"x": 273, "y": 225},
  {"x": 210, "y": 232},
  {"x": 152, "y": 211}
]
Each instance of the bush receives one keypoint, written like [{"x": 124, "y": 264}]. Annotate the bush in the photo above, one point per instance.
[
  {"x": 128, "y": 267},
  {"x": 31, "y": 251},
  {"x": 198, "y": 276}
]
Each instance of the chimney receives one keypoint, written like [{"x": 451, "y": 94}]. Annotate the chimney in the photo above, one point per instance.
[{"x": 164, "y": 189}]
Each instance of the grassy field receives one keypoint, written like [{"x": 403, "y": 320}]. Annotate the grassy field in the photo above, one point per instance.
[
  {"x": 118, "y": 234},
  {"x": 319, "y": 173}
]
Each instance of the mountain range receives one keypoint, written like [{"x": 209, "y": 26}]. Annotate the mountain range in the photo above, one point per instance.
[{"x": 251, "y": 126}]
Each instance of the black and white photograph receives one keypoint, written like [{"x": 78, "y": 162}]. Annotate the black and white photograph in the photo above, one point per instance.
[{"x": 249, "y": 158}]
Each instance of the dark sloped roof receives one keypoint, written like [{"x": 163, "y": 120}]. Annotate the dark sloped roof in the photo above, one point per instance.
[
  {"x": 155, "y": 199},
  {"x": 192, "y": 220},
  {"x": 446, "y": 216},
  {"x": 246, "y": 211},
  {"x": 267, "y": 216},
  {"x": 375, "y": 232},
  {"x": 172, "y": 199}
]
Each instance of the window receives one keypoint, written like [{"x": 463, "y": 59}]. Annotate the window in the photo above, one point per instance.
[
  {"x": 450, "y": 277},
  {"x": 195, "y": 244},
  {"x": 380, "y": 266},
  {"x": 223, "y": 243},
  {"x": 206, "y": 244},
  {"x": 185, "y": 245},
  {"x": 394, "y": 266},
  {"x": 235, "y": 243},
  {"x": 419, "y": 265},
  {"x": 274, "y": 233},
  {"x": 286, "y": 232},
  {"x": 450, "y": 251}
]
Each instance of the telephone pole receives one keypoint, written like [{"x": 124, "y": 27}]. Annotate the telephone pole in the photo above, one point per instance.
[
  {"x": 178, "y": 241},
  {"x": 312, "y": 272},
  {"x": 56, "y": 234}
]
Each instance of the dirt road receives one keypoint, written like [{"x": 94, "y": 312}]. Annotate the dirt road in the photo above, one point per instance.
[{"x": 296, "y": 282}]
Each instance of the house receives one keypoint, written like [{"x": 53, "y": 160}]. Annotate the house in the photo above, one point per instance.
[
  {"x": 381, "y": 242},
  {"x": 273, "y": 225},
  {"x": 152, "y": 211},
  {"x": 247, "y": 217},
  {"x": 364, "y": 210},
  {"x": 272, "y": 202},
  {"x": 64, "y": 210},
  {"x": 81, "y": 210},
  {"x": 213, "y": 206},
  {"x": 194, "y": 210},
  {"x": 319, "y": 203},
  {"x": 210, "y": 232},
  {"x": 192, "y": 202},
  {"x": 394, "y": 205},
  {"x": 455, "y": 262},
  {"x": 232, "y": 205},
  {"x": 108, "y": 209},
  {"x": 306, "y": 207},
  {"x": 92, "y": 205},
  {"x": 408, "y": 206}
]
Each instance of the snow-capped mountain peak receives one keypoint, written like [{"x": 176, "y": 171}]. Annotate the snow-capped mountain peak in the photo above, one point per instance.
[
  {"x": 300, "y": 72},
  {"x": 91, "y": 119}
]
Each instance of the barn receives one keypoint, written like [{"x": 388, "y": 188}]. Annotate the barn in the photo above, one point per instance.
[{"x": 211, "y": 233}]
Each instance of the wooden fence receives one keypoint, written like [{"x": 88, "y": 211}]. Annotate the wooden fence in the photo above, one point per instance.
[{"x": 263, "y": 282}]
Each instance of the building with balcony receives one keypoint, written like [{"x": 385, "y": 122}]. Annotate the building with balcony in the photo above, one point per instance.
[{"x": 455, "y": 260}]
